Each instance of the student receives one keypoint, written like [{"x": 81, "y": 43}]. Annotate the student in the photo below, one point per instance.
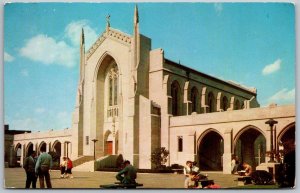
[
  {"x": 42, "y": 167},
  {"x": 63, "y": 167},
  {"x": 247, "y": 168},
  {"x": 128, "y": 174},
  {"x": 29, "y": 166},
  {"x": 187, "y": 170},
  {"x": 69, "y": 168}
]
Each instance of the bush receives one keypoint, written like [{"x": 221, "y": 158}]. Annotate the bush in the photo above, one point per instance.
[
  {"x": 159, "y": 157},
  {"x": 261, "y": 177}
]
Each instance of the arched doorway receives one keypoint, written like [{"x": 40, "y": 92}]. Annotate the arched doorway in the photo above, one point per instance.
[
  {"x": 287, "y": 138},
  {"x": 56, "y": 148},
  {"x": 250, "y": 146},
  {"x": 210, "y": 151},
  {"x": 29, "y": 149},
  {"x": 42, "y": 144},
  {"x": 18, "y": 153},
  {"x": 108, "y": 143}
]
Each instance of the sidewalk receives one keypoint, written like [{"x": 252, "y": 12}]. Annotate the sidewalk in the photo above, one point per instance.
[{"x": 15, "y": 178}]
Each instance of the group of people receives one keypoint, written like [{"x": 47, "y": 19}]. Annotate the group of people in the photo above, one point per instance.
[
  {"x": 237, "y": 166},
  {"x": 66, "y": 168},
  {"x": 38, "y": 167}
]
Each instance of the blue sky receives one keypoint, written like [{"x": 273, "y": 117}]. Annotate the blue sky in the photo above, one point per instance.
[{"x": 252, "y": 44}]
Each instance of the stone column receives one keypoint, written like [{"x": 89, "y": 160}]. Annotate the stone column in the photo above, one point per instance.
[
  {"x": 227, "y": 152},
  {"x": 11, "y": 156}
]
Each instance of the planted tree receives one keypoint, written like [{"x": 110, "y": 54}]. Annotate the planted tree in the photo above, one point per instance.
[{"x": 159, "y": 157}]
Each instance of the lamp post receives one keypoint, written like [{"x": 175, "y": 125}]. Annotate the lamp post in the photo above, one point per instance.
[
  {"x": 271, "y": 122},
  {"x": 67, "y": 142},
  {"x": 94, "y": 140}
]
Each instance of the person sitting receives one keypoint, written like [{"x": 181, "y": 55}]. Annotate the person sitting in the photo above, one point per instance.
[
  {"x": 128, "y": 174},
  {"x": 247, "y": 168}
]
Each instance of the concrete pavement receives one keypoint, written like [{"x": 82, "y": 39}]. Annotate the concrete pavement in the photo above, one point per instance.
[{"x": 15, "y": 178}]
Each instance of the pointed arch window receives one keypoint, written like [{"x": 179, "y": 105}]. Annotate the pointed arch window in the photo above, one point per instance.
[
  {"x": 237, "y": 105},
  {"x": 211, "y": 102},
  {"x": 113, "y": 77},
  {"x": 175, "y": 98},
  {"x": 225, "y": 103},
  {"x": 194, "y": 99}
]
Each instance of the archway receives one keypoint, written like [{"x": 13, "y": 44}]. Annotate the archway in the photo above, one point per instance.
[
  {"x": 108, "y": 89},
  {"x": 42, "y": 144},
  {"x": 108, "y": 143},
  {"x": 210, "y": 151},
  {"x": 56, "y": 148},
  {"x": 287, "y": 138},
  {"x": 28, "y": 150},
  {"x": 250, "y": 146},
  {"x": 18, "y": 152}
]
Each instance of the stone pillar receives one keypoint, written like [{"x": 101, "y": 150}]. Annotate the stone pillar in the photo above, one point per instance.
[
  {"x": 62, "y": 153},
  {"x": 47, "y": 147},
  {"x": 11, "y": 156},
  {"x": 227, "y": 152},
  {"x": 22, "y": 154}
]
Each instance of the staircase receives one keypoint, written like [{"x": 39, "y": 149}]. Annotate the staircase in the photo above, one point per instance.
[{"x": 82, "y": 160}]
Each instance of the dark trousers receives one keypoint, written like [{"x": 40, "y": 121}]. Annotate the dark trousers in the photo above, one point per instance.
[
  {"x": 30, "y": 179},
  {"x": 44, "y": 174}
]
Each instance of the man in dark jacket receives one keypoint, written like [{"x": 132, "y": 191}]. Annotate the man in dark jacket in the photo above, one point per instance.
[
  {"x": 129, "y": 173},
  {"x": 29, "y": 166}
]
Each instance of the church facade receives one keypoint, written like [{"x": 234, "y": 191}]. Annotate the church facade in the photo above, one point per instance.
[{"x": 132, "y": 100}]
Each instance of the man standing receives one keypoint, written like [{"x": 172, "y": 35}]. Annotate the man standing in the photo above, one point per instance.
[
  {"x": 29, "y": 166},
  {"x": 129, "y": 173},
  {"x": 42, "y": 167}
]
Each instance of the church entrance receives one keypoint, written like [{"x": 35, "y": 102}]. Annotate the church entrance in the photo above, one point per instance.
[
  {"x": 109, "y": 148},
  {"x": 250, "y": 147},
  {"x": 210, "y": 152}
]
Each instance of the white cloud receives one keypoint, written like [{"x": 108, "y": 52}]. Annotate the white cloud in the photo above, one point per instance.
[
  {"x": 39, "y": 110},
  {"x": 272, "y": 67},
  {"x": 73, "y": 33},
  {"x": 25, "y": 73},
  {"x": 47, "y": 50},
  {"x": 283, "y": 96},
  {"x": 218, "y": 8},
  {"x": 25, "y": 124},
  {"x": 8, "y": 57}
]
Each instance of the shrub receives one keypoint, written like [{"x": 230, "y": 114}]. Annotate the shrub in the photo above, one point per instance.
[
  {"x": 159, "y": 157},
  {"x": 261, "y": 177}
]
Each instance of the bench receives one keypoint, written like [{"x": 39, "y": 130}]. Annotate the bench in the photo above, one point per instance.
[
  {"x": 118, "y": 185},
  {"x": 243, "y": 180}
]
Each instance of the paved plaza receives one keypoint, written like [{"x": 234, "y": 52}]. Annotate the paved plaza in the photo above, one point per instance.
[{"x": 15, "y": 178}]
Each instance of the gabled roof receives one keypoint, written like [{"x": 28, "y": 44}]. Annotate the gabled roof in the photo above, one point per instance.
[{"x": 109, "y": 33}]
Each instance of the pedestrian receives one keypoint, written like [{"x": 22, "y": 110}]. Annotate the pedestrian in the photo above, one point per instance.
[
  {"x": 129, "y": 174},
  {"x": 29, "y": 166},
  {"x": 187, "y": 170},
  {"x": 63, "y": 167},
  {"x": 42, "y": 167},
  {"x": 69, "y": 168}
]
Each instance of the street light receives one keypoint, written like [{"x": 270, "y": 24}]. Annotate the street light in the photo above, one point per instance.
[
  {"x": 94, "y": 140},
  {"x": 271, "y": 122},
  {"x": 67, "y": 142}
]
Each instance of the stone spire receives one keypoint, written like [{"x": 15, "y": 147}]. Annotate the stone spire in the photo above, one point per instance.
[
  {"x": 136, "y": 15},
  {"x": 82, "y": 55},
  {"x": 136, "y": 38}
]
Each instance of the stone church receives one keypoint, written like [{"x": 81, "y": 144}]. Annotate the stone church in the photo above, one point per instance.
[{"x": 132, "y": 100}]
